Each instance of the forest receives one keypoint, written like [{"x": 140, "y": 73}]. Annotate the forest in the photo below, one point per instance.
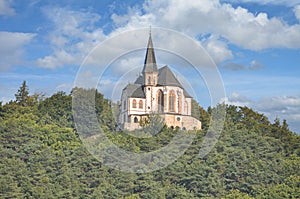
[{"x": 42, "y": 155}]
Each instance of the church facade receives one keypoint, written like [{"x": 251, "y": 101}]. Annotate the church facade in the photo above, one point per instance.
[{"x": 156, "y": 91}]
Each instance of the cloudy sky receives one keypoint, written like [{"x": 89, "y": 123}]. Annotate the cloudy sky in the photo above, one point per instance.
[{"x": 254, "y": 43}]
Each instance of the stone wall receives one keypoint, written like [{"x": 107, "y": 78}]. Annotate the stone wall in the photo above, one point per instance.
[
  {"x": 131, "y": 126},
  {"x": 182, "y": 121}
]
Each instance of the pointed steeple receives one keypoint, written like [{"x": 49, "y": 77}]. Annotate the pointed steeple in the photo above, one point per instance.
[{"x": 150, "y": 61}]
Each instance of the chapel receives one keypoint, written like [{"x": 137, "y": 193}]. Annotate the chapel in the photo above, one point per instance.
[{"x": 158, "y": 91}]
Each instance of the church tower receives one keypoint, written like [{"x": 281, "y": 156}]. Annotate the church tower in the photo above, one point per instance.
[{"x": 150, "y": 72}]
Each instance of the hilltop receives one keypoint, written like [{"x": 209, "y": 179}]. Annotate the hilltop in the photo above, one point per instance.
[{"x": 43, "y": 157}]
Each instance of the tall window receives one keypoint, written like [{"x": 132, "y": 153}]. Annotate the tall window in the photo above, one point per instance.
[
  {"x": 124, "y": 104},
  {"x": 149, "y": 80},
  {"x": 179, "y": 102},
  {"x": 160, "y": 101},
  {"x": 172, "y": 101},
  {"x": 141, "y": 104},
  {"x": 134, "y": 103}
]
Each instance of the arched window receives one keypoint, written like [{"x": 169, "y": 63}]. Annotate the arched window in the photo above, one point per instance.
[
  {"x": 141, "y": 104},
  {"x": 172, "y": 101},
  {"x": 135, "y": 120},
  {"x": 134, "y": 103},
  {"x": 160, "y": 101},
  {"x": 149, "y": 80}
]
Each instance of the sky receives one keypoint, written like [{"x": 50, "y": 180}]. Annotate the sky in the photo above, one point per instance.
[{"x": 255, "y": 45}]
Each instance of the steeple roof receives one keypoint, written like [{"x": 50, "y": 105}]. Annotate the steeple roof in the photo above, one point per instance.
[
  {"x": 165, "y": 75},
  {"x": 150, "y": 61}
]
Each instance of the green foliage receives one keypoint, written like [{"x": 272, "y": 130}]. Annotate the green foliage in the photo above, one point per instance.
[
  {"x": 22, "y": 96},
  {"x": 56, "y": 109},
  {"x": 92, "y": 112},
  {"x": 290, "y": 188},
  {"x": 153, "y": 124},
  {"x": 42, "y": 156},
  {"x": 236, "y": 194},
  {"x": 199, "y": 113}
]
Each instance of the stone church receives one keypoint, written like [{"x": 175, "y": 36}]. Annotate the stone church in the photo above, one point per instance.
[{"x": 156, "y": 91}]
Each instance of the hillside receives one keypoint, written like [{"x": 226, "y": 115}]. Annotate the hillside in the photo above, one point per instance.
[{"x": 43, "y": 157}]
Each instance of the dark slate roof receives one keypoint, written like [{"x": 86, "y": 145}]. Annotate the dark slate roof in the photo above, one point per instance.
[
  {"x": 186, "y": 94},
  {"x": 167, "y": 78},
  {"x": 150, "y": 61},
  {"x": 139, "y": 80},
  {"x": 135, "y": 90}
]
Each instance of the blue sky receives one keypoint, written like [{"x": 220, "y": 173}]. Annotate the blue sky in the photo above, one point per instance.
[{"x": 254, "y": 43}]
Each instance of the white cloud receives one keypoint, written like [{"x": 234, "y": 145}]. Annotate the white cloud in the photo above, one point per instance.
[
  {"x": 124, "y": 19},
  {"x": 11, "y": 48},
  {"x": 58, "y": 59},
  {"x": 237, "y": 25},
  {"x": 217, "y": 49},
  {"x": 75, "y": 32},
  {"x": 237, "y": 99},
  {"x": 5, "y": 8},
  {"x": 274, "y": 2},
  {"x": 73, "y": 36},
  {"x": 297, "y": 12},
  {"x": 283, "y": 107},
  {"x": 128, "y": 63}
]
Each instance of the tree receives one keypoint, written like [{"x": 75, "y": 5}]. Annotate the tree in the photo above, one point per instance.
[
  {"x": 22, "y": 96},
  {"x": 43, "y": 157},
  {"x": 285, "y": 126},
  {"x": 1, "y": 110},
  {"x": 276, "y": 122},
  {"x": 153, "y": 124},
  {"x": 236, "y": 194},
  {"x": 199, "y": 113}
]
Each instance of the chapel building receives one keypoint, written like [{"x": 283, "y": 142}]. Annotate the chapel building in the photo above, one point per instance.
[{"x": 156, "y": 91}]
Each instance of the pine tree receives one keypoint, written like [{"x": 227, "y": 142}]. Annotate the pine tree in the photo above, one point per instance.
[
  {"x": 276, "y": 122},
  {"x": 285, "y": 126},
  {"x": 22, "y": 96}
]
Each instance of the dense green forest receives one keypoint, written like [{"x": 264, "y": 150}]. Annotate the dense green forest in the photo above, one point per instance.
[{"x": 43, "y": 157}]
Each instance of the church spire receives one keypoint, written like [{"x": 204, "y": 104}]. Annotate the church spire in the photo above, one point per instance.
[{"x": 150, "y": 61}]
